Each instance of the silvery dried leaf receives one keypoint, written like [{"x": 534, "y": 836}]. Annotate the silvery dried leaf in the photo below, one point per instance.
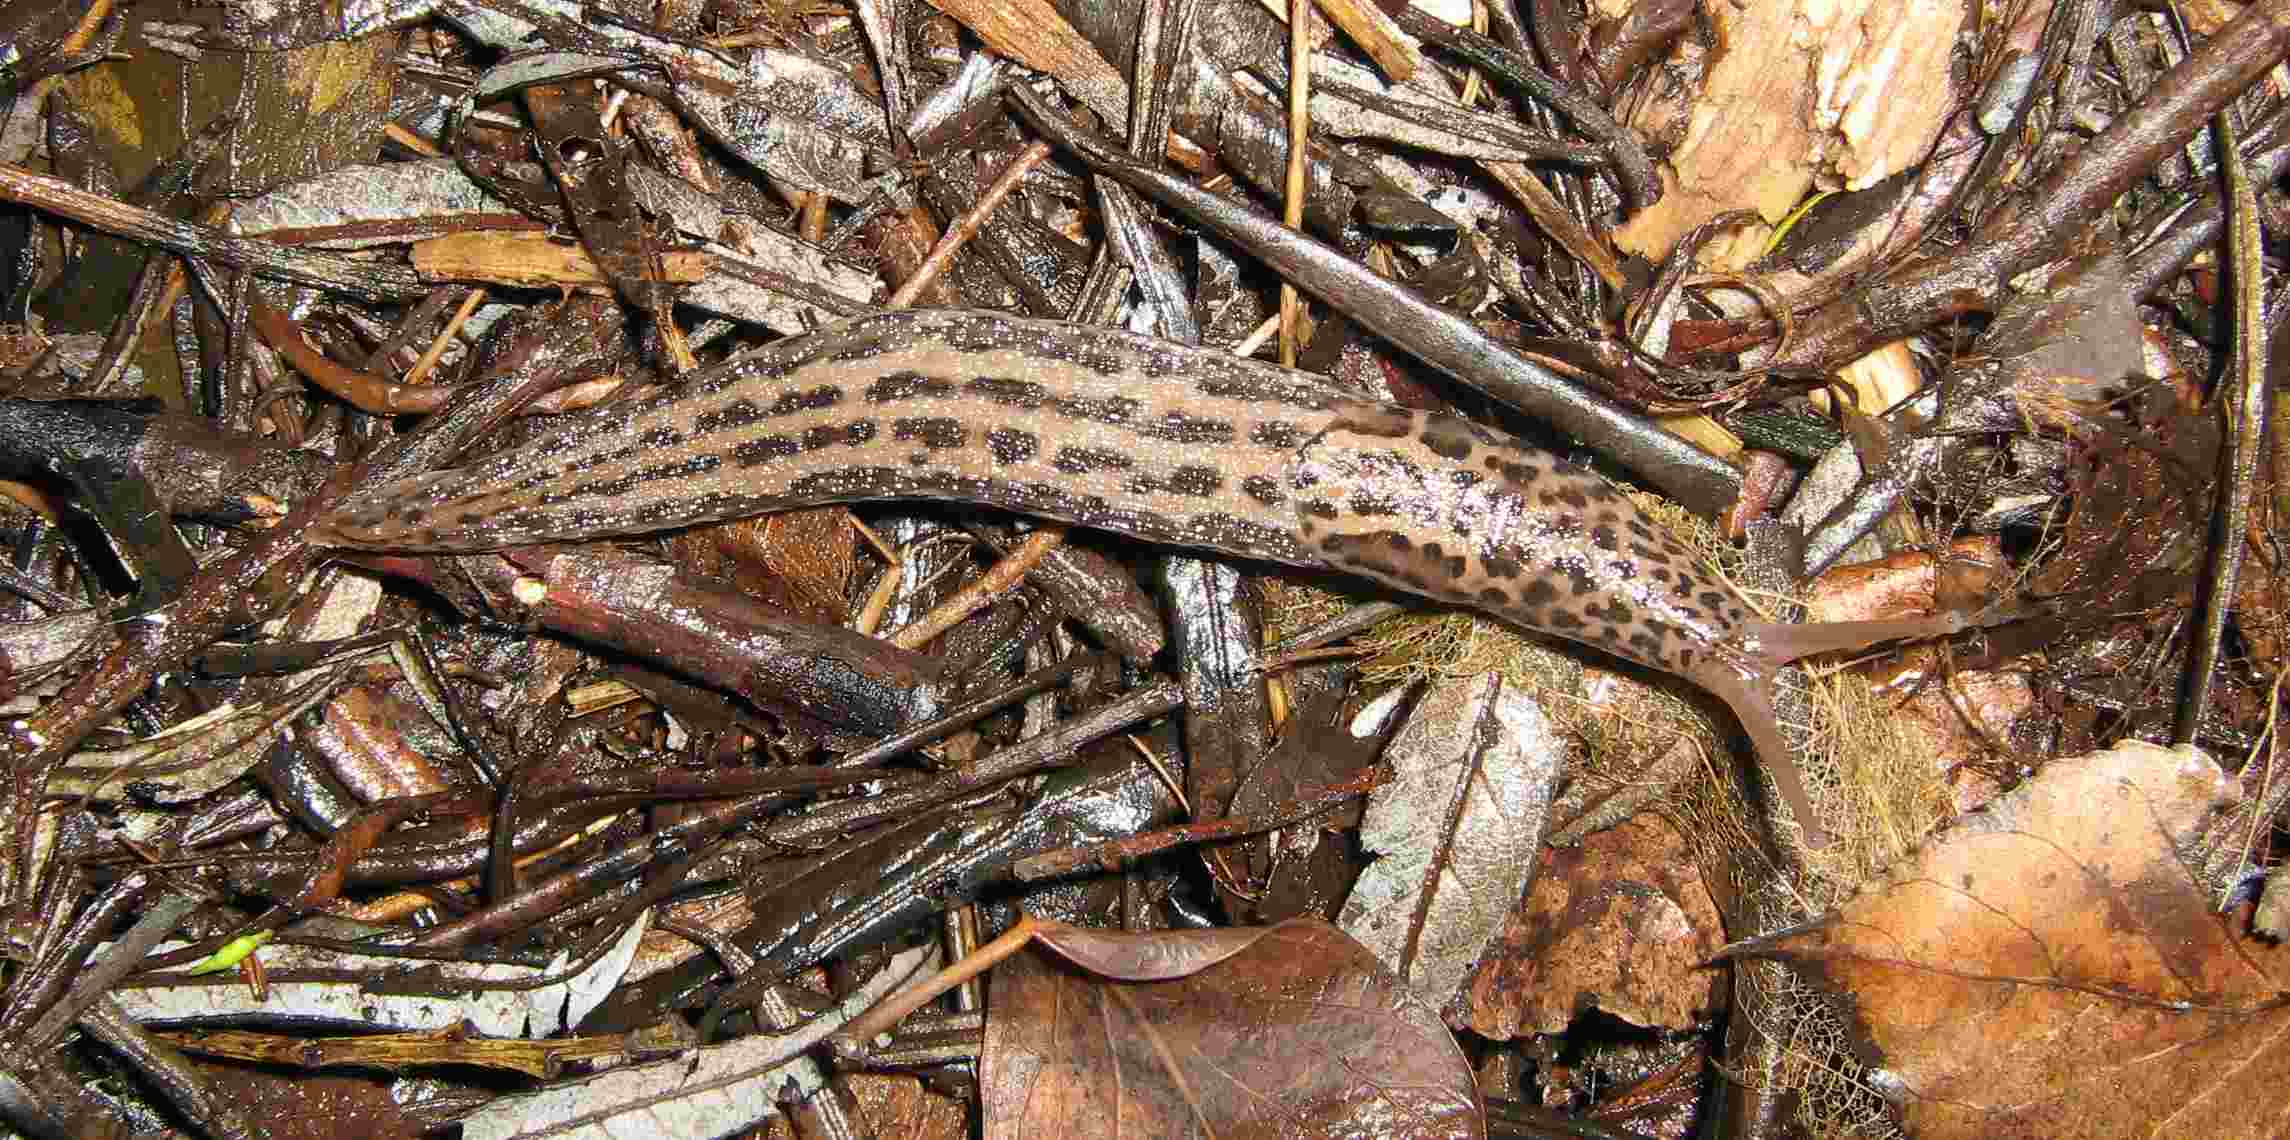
[
  {"x": 784, "y": 280},
  {"x": 460, "y": 990},
  {"x": 1457, "y": 832},
  {"x": 1354, "y": 103},
  {"x": 425, "y": 198},
  {"x": 718, "y": 1090}
]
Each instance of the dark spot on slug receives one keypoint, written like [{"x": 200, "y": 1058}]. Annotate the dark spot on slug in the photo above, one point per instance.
[
  {"x": 680, "y": 469},
  {"x": 600, "y": 458},
  {"x": 1539, "y": 592},
  {"x": 807, "y": 400},
  {"x": 1264, "y": 489},
  {"x": 1082, "y": 460},
  {"x": 891, "y": 387},
  {"x": 1009, "y": 445},
  {"x": 1108, "y": 410},
  {"x": 1184, "y": 427},
  {"x": 1264, "y": 386},
  {"x": 1523, "y": 474},
  {"x": 1278, "y": 434},
  {"x": 1383, "y": 423},
  {"x": 1008, "y": 392},
  {"x": 660, "y": 437},
  {"x": 1197, "y": 481},
  {"x": 1447, "y": 439},
  {"x": 1603, "y": 537},
  {"x": 738, "y": 413},
  {"x": 756, "y": 452},
  {"x": 1368, "y": 504},
  {"x": 604, "y": 488}
]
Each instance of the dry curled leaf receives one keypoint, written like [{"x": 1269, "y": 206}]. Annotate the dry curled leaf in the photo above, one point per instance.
[
  {"x": 1295, "y": 1030},
  {"x": 2049, "y": 968},
  {"x": 1620, "y": 923}
]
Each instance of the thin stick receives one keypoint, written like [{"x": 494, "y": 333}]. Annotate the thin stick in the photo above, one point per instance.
[
  {"x": 364, "y": 280},
  {"x": 1257, "y": 336},
  {"x": 420, "y": 371},
  {"x": 411, "y": 141},
  {"x": 2246, "y": 428},
  {"x": 960, "y": 233},
  {"x": 999, "y": 579},
  {"x": 1160, "y": 768},
  {"x": 1292, "y": 211},
  {"x": 1376, "y": 35},
  {"x": 1114, "y": 854},
  {"x": 854, "y": 1038}
]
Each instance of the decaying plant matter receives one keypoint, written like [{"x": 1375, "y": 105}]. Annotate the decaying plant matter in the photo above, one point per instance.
[{"x": 417, "y": 719}]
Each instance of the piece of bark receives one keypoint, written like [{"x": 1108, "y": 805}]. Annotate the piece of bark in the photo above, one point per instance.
[{"x": 1802, "y": 94}]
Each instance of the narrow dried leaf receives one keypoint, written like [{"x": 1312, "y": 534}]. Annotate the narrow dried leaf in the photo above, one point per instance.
[
  {"x": 500, "y": 258},
  {"x": 2049, "y": 967},
  {"x": 1458, "y": 830},
  {"x": 1301, "y": 1034}
]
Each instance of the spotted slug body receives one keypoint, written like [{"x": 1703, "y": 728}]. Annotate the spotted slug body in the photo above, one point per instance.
[
  {"x": 1114, "y": 431},
  {"x": 1100, "y": 428}
]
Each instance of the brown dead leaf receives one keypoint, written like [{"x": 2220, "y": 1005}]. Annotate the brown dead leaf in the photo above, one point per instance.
[
  {"x": 801, "y": 561},
  {"x": 2049, "y": 968},
  {"x": 1300, "y": 1033},
  {"x": 1621, "y": 923}
]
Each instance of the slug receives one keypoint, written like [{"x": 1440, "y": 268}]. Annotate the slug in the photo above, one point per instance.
[{"x": 1147, "y": 438}]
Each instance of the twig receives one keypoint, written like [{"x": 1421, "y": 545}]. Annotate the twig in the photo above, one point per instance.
[
  {"x": 999, "y": 579},
  {"x": 1115, "y": 854},
  {"x": 365, "y": 280},
  {"x": 2035, "y": 225},
  {"x": 419, "y": 373},
  {"x": 960, "y": 233},
  {"x": 2246, "y": 423},
  {"x": 1433, "y": 334},
  {"x": 1292, "y": 198}
]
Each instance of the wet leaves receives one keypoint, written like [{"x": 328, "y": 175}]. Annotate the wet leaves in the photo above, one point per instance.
[{"x": 1288, "y": 1030}]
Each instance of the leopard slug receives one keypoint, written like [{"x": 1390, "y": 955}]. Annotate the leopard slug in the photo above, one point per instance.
[{"x": 1124, "y": 433}]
